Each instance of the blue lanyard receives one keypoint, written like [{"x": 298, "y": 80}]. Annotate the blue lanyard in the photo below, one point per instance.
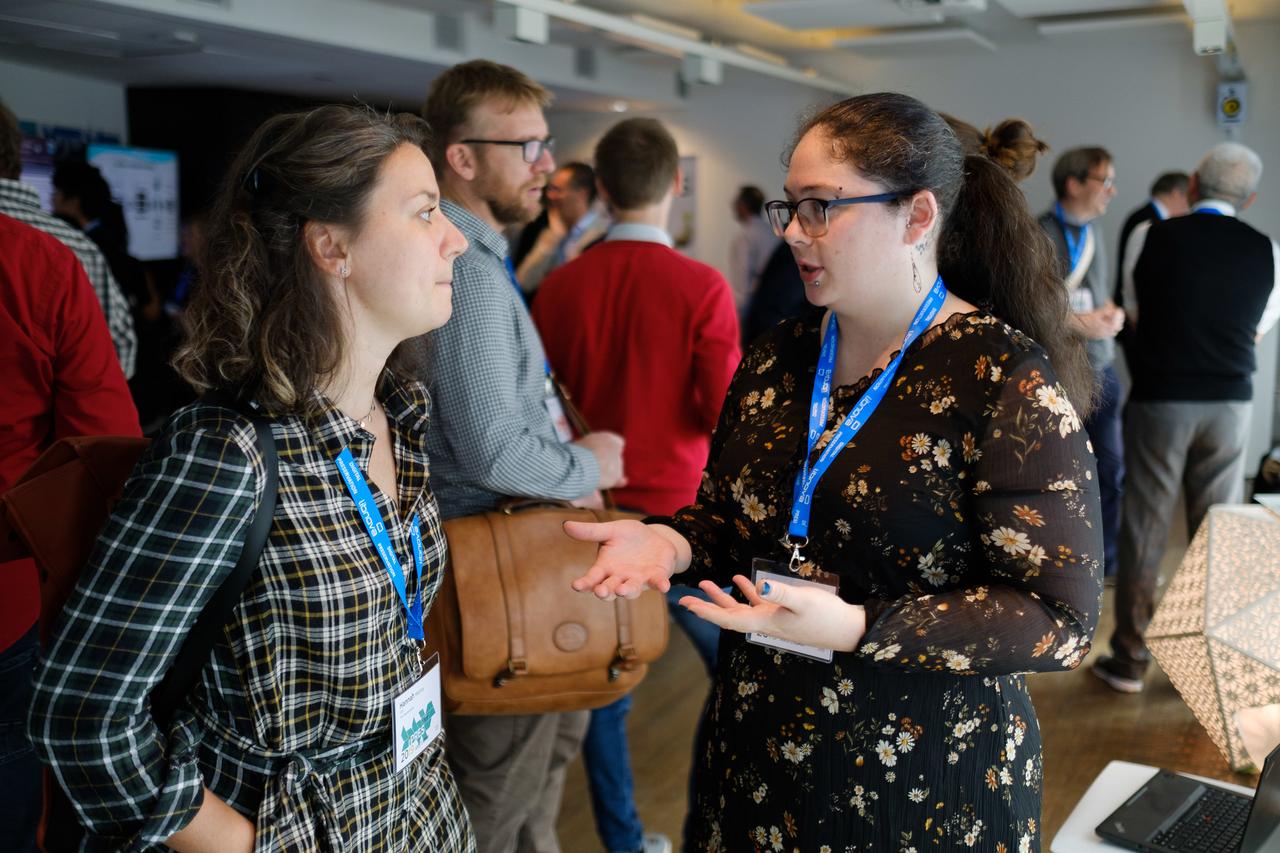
[
  {"x": 1075, "y": 245},
  {"x": 807, "y": 479},
  {"x": 373, "y": 523}
]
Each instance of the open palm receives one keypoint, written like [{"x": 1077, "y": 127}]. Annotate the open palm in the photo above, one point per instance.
[{"x": 632, "y": 557}]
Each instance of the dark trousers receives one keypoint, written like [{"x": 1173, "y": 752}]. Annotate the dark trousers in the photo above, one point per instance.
[
  {"x": 21, "y": 795},
  {"x": 1106, "y": 432},
  {"x": 1193, "y": 448}
]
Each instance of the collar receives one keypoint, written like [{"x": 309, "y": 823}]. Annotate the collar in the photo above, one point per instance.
[
  {"x": 475, "y": 229},
  {"x": 1223, "y": 207},
  {"x": 1066, "y": 218},
  {"x": 1160, "y": 209},
  {"x": 640, "y": 233},
  {"x": 406, "y": 406},
  {"x": 19, "y": 194}
]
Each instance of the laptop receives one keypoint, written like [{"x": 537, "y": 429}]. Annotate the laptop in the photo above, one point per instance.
[
  {"x": 1177, "y": 814},
  {"x": 1269, "y": 500}
]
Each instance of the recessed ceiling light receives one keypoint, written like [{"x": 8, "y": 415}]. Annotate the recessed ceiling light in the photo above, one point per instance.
[{"x": 618, "y": 106}]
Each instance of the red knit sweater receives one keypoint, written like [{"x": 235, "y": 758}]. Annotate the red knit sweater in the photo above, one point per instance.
[
  {"x": 646, "y": 340},
  {"x": 61, "y": 378}
]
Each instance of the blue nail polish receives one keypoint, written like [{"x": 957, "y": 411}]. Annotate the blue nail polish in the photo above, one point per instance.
[{"x": 764, "y": 589}]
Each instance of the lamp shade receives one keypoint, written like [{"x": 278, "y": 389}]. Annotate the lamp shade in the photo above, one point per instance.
[{"x": 1216, "y": 633}]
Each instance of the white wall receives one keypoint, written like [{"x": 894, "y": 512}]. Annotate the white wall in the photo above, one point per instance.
[
  {"x": 55, "y": 97},
  {"x": 738, "y": 131}
]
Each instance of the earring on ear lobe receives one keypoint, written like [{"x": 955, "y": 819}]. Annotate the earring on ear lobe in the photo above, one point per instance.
[
  {"x": 915, "y": 276},
  {"x": 344, "y": 272}
]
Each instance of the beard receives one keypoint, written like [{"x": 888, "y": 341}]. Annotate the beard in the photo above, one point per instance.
[{"x": 509, "y": 205}]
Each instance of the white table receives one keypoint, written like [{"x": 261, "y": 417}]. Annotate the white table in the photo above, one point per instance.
[{"x": 1115, "y": 784}]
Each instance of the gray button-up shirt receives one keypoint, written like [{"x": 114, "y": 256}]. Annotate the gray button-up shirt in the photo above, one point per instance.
[{"x": 490, "y": 435}]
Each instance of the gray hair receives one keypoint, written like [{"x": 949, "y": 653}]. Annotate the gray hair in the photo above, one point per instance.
[{"x": 1230, "y": 172}]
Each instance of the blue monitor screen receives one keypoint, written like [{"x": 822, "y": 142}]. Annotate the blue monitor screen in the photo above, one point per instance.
[
  {"x": 145, "y": 183},
  {"x": 37, "y": 168}
]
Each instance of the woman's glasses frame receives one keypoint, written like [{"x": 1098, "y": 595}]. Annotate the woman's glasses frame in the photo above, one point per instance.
[{"x": 812, "y": 212}]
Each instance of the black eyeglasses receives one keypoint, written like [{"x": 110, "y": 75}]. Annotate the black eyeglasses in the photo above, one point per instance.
[
  {"x": 530, "y": 149},
  {"x": 813, "y": 211}
]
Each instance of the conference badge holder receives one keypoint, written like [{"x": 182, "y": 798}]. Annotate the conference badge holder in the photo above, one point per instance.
[
  {"x": 416, "y": 718},
  {"x": 775, "y": 572}
]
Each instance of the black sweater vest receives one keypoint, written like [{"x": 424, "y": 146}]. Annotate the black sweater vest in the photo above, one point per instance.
[{"x": 1202, "y": 284}]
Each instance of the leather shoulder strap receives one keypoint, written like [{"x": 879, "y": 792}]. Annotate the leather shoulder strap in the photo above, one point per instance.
[{"x": 187, "y": 666}]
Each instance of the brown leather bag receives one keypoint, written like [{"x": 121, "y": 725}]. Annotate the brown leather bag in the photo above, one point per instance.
[
  {"x": 515, "y": 638},
  {"x": 513, "y": 635}
]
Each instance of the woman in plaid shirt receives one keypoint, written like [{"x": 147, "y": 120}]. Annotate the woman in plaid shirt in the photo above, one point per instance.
[{"x": 328, "y": 250}]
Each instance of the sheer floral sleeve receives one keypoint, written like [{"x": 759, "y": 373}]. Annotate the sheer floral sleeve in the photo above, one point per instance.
[
  {"x": 1038, "y": 541},
  {"x": 715, "y": 524}
]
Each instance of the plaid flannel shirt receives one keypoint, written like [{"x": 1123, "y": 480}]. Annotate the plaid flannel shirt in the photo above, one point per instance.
[
  {"x": 290, "y": 721},
  {"x": 22, "y": 202},
  {"x": 492, "y": 437}
]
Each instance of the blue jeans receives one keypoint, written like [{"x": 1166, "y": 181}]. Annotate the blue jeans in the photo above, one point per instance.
[
  {"x": 608, "y": 763},
  {"x": 21, "y": 794},
  {"x": 1106, "y": 433},
  {"x": 705, "y": 635}
]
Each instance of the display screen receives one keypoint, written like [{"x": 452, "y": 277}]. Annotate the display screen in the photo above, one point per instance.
[
  {"x": 37, "y": 169},
  {"x": 144, "y": 182}
]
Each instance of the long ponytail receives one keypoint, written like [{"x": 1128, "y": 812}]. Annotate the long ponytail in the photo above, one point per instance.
[{"x": 993, "y": 253}]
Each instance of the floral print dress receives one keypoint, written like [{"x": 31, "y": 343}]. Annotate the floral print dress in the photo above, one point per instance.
[{"x": 965, "y": 517}]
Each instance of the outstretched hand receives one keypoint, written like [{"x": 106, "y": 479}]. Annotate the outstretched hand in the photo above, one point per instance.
[
  {"x": 799, "y": 614},
  {"x": 632, "y": 557}
]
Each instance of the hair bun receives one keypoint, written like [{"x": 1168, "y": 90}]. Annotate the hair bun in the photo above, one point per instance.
[{"x": 1013, "y": 144}]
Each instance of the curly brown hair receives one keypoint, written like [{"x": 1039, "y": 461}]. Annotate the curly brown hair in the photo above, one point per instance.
[
  {"x": 261, "y": 323},
  {"x": 1012, "y": 144},
  {"x": 991, "y": 250}
]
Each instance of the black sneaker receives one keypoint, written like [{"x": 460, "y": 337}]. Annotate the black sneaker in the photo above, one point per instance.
[{"x": 1108, "y": 672}]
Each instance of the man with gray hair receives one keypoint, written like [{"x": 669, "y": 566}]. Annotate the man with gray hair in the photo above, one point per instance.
[{"x": 1199, "y": 291}]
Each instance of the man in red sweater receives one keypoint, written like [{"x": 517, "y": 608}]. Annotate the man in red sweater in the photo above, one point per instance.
[
  {"x": 644, "y": 338},
  {"x": 61, "y": 377},
  {"x": 646, "y": 341}
]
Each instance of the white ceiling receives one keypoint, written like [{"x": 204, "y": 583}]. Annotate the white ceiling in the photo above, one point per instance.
[{"x": 389, "y": 49}]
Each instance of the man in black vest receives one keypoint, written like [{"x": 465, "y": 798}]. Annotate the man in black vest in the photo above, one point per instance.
[
  {"x": 1199, "y": 291},
  {"x": 1168, "y": 199},
  {"x": 1084, "y": 182}
]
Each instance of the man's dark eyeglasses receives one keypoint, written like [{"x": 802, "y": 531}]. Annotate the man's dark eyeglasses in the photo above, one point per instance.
[
  {"x": 813, "y": 211},
  {"x": 530, "y": 149}
]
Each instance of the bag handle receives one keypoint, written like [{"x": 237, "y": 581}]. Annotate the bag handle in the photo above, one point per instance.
[
  {"x": 579, "y": 424},
  {"x": 181, "y": 678}
]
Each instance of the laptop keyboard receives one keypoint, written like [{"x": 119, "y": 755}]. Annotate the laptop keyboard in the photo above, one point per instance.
[{"x": 1215, "y": 824}]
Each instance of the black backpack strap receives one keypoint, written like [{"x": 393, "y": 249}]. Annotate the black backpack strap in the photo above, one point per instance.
[{"x": 181, "y": 678}]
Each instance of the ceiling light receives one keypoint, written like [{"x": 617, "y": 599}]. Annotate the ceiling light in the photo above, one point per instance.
[{"x": 618, "y": 106}]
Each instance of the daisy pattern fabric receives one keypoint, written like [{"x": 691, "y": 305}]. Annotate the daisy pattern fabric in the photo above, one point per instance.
[{"x": 965, "y": 516}]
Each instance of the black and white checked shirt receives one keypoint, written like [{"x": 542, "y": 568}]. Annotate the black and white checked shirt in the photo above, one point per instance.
[
  {"x": 22, "y": 202},
  {"x": 492, "y": 436},
  {"x": 290, "y": 721}
]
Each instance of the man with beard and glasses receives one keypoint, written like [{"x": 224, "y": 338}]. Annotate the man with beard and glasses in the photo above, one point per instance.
[{"x": 492, "y": 433}]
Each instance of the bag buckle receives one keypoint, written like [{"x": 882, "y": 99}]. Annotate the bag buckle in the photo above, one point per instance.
[
  {"x": 516, "y": 667},
  {"x": 624, "y": 662}
]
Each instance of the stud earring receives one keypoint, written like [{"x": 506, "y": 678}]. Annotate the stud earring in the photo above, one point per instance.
[{"x": 344, "y": 272}]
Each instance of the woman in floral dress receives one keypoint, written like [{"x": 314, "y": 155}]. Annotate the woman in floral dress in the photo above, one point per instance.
[{"x": 961, "y": 522}]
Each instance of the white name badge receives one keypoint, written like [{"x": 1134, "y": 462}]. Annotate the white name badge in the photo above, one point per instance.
[
  {"x": 761, "y": 572},
  {"x": 1081, "y": 300},
  {"x": 416, "y": 718},
  {"x": 555, "y": 409}
]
